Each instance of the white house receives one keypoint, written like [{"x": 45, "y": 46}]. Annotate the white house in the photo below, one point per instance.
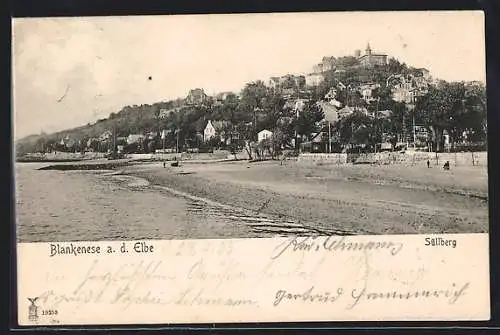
[
  {"x": 367, "y": 90},
  {"x": 314, "y": 79},
  {"x": 135, "y": 138},
  {"x": 209, "y": 131},
  {"x": 106, "y": 135},
  {"x": 264, "y": 134},
  {"x": 220, "y": 128}
]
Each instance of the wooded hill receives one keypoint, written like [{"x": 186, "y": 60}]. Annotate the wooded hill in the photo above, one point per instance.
[{"x": 450, "y": 107}]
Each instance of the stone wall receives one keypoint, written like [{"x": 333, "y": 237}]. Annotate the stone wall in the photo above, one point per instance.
[
  {"x": 407, "y": 158},
  {"x": 216, "y": 155},
  {"x": 334, "y": 158}
]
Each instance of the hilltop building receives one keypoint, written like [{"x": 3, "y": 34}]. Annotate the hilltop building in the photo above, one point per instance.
[
  {"x": 370, "y": 58},
  {"x": 196, "y": 97}
]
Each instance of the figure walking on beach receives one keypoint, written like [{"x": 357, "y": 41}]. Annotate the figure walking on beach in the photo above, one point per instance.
[
  {"x": 446, "y": 165},
  {"x": 428, "y": 164}
]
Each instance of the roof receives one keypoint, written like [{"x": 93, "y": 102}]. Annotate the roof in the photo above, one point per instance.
[
  {"x": 385, "y": 113},
  {"x": 265, "y": 131},
  {"x": 331, "y": 112},
  {"x": 219, "y": 125},
  {"x": 349, "y": 109},
  {"x": 373, "y": 54}
]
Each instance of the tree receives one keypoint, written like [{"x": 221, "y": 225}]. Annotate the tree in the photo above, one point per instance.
[
  {"x": 443, "y": 108},
  {"x": 253, "y": 96},
  {"x": 356, "y": 128},
  {"x": 383, "y": 95},
  {"x": 308, "y": 120},
  {"x": 476, "y": 117}
]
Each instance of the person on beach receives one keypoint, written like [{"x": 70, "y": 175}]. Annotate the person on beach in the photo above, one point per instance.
[
  {"x": 428, "y": 164},
  {"x": 446, "y": 165},
  {"x": 163, "y": 164}
]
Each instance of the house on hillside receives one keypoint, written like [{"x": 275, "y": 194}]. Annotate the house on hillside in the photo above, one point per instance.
[
  {"x": 165, "y": 112},
  {"x": 367, "y": 91},
  {"x": 135, "y": 138},
  {"x": 91, "y": 141},
  {"x": 299, "y": 81},
  {"x": 384, "y": 114},
  {"x": 327, "y": 64},
  {"x": 151, "y": 135},
  {"x": 331, "y": 97},
  {"x": 217, "y": 128},
  {"x": 196, "y": 97},
  {"x": 407, "y": 89},
  {"x": 297, "y": 105},
  {"x": 220, "y": 97},
  {"x": 287, "y": 81},
  {"x": 274, "y": 83},
  {"x": 341, "y": 85},
  {"x": 264, "y": 134},
  {"x": 347, "y": 111},
  {"x": 332, "y": 93},
  {"x": 288, "y": 93},
  {"x": 68, "y": 142},
  {"x": 121, "y": 140},
  {"x": 106, "y": 135},
  {"x": 314, "y": 79}
]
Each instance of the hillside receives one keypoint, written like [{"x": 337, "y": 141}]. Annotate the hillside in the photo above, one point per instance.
[{"x": 393, "y": 87}]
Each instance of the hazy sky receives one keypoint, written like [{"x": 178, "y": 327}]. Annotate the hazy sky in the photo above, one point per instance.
[{"x": 103, "y": 63}]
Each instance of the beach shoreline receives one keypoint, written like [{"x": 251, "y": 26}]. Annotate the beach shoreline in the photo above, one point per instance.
[{"x": 337, "y": 199}]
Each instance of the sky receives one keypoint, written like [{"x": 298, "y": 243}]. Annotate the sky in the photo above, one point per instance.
[{"x": 68, "y": 72}]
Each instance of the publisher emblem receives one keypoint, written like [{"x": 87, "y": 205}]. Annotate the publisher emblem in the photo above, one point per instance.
[{"x": 33, "y": 309}]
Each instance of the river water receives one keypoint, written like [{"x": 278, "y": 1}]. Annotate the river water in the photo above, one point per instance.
[{"x": 103, "y": 205}]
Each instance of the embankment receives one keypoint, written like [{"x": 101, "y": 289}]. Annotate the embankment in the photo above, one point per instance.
[
  {"x": 100, "y": 165},
  {"x": 59, "y": 157},
  {"x": 406, "y": 158}
]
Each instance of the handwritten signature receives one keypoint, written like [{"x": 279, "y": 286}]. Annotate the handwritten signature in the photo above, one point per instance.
[
  {"x": 333, "y": 244},
  {"x": 129, "y": 285}
]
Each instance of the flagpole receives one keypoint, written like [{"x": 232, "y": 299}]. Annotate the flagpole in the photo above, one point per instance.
[
  {"x": 163, "y": 137},
  {"x": 329, "y": 139}
]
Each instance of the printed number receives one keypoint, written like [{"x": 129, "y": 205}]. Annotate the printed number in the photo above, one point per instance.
[{"x": 49, "y": 312}]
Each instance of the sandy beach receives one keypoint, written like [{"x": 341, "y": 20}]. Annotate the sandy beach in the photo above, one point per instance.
[{"x": 338, "y": 199}]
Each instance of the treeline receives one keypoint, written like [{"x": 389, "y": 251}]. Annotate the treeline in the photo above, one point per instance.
[{"x": 455, "y": 108}]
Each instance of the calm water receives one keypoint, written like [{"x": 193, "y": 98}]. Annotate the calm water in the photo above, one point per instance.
[{"x": 100, "y": 205}]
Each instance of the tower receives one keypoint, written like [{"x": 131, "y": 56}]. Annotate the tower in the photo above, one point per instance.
[{"x": 368, "y": 49}]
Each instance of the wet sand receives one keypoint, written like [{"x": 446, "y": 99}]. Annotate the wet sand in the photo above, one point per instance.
[{"x": 350, "y": 199}]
